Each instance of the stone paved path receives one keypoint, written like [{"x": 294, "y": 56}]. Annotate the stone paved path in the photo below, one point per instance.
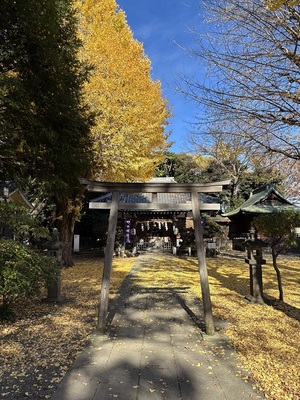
[{"x": 155, "y": 349}]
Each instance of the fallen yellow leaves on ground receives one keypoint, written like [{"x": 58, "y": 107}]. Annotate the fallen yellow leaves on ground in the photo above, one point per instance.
[
  {"x": 266, "y": 338},
  {"x": 40, "y": 345}
]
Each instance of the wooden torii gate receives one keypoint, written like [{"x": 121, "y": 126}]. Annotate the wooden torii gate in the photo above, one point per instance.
[{"x": 115, "y": 205}]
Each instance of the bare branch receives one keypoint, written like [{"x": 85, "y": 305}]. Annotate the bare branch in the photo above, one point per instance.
[{"x": 252, "y": 82}]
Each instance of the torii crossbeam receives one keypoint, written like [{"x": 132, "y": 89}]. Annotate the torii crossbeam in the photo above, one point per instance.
[{"x": 115, "y": 205}]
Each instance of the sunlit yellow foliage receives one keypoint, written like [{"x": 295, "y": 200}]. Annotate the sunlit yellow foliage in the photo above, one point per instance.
[
  {"x": 203, "y": 161},
  {"x": 275, "y": 4},
  {"x": 131, "y": 114}
]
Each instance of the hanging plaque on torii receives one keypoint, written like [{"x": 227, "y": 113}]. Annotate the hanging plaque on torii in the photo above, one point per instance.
[{"x": 193, "y": 205}]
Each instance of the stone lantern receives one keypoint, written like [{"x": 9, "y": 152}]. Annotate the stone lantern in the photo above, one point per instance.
[
  {"x": 255, "y": 260},
  {"x": 54, "y": 249}
]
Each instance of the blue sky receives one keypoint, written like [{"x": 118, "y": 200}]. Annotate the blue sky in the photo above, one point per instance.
[{"x": 158, "y": 24}]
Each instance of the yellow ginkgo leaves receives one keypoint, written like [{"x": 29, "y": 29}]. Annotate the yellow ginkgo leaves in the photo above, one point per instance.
[
  {"x": 275, "y": 4},
  {"x": 131, "y": 114}
]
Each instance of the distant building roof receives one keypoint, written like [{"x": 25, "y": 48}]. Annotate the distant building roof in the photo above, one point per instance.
[
  {"x": 263, "y": 200},
  {"x": 14, "y": 194}
]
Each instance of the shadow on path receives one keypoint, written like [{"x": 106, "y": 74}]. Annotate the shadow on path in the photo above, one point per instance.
[{"x": 155, "y": 349}]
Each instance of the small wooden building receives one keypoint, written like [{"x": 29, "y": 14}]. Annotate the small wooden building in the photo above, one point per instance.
[{"x": 265, "y": 199}]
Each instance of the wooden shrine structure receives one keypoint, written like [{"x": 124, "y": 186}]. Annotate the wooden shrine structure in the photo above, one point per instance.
[{"x": 149, "y": 187}]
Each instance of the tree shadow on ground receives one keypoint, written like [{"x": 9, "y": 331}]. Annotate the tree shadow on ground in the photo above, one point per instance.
[
  {"x": 240, "y": 284},
  {"x": 287, "y": 309},
  {"x": 153, "y": 348}
]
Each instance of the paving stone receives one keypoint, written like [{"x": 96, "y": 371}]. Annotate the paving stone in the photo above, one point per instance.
[
  {"x": 156, "y": 349},
  {"x": 122, "y": 391},
  {"x": 159, "y": 383}
]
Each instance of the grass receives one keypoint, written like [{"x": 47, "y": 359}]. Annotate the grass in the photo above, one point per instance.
[{"x": 42, "y": 341}]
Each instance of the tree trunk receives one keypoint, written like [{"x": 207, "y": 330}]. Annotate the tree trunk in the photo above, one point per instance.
[
  {"x": 67, "y": 232},
  {"x": 67, "y": 212},
  {"x": 274, "y": 258}
]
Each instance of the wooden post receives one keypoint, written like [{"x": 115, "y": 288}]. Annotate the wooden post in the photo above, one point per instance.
[
  {"x": 109, "y": 252},
  {"x": 207, "y": 307}
]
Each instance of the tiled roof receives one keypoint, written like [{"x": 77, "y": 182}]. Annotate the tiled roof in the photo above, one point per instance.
[
  {"x": 166, "y": 198},
  {"x": 264, "y": 200}
]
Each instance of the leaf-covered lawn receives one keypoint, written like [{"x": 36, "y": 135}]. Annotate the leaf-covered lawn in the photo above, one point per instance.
[
  {"x": 266, "y": 338},
  {"x": 40, "y": 345}
]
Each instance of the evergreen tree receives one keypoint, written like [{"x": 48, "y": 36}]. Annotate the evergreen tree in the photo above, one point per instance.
[{"x": 44, "y": 126}]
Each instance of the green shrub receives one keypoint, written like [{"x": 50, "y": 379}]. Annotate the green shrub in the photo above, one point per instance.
[
  {"x": 210, "y": 228},
  {"x": 17, "y": 222},
  {"x": 23, "y": 271}
]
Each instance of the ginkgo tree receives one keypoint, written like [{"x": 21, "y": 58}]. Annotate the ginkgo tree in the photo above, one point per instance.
[
  {"x": 129, "y": 137},
  {"x": 275, "y": 4}
]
